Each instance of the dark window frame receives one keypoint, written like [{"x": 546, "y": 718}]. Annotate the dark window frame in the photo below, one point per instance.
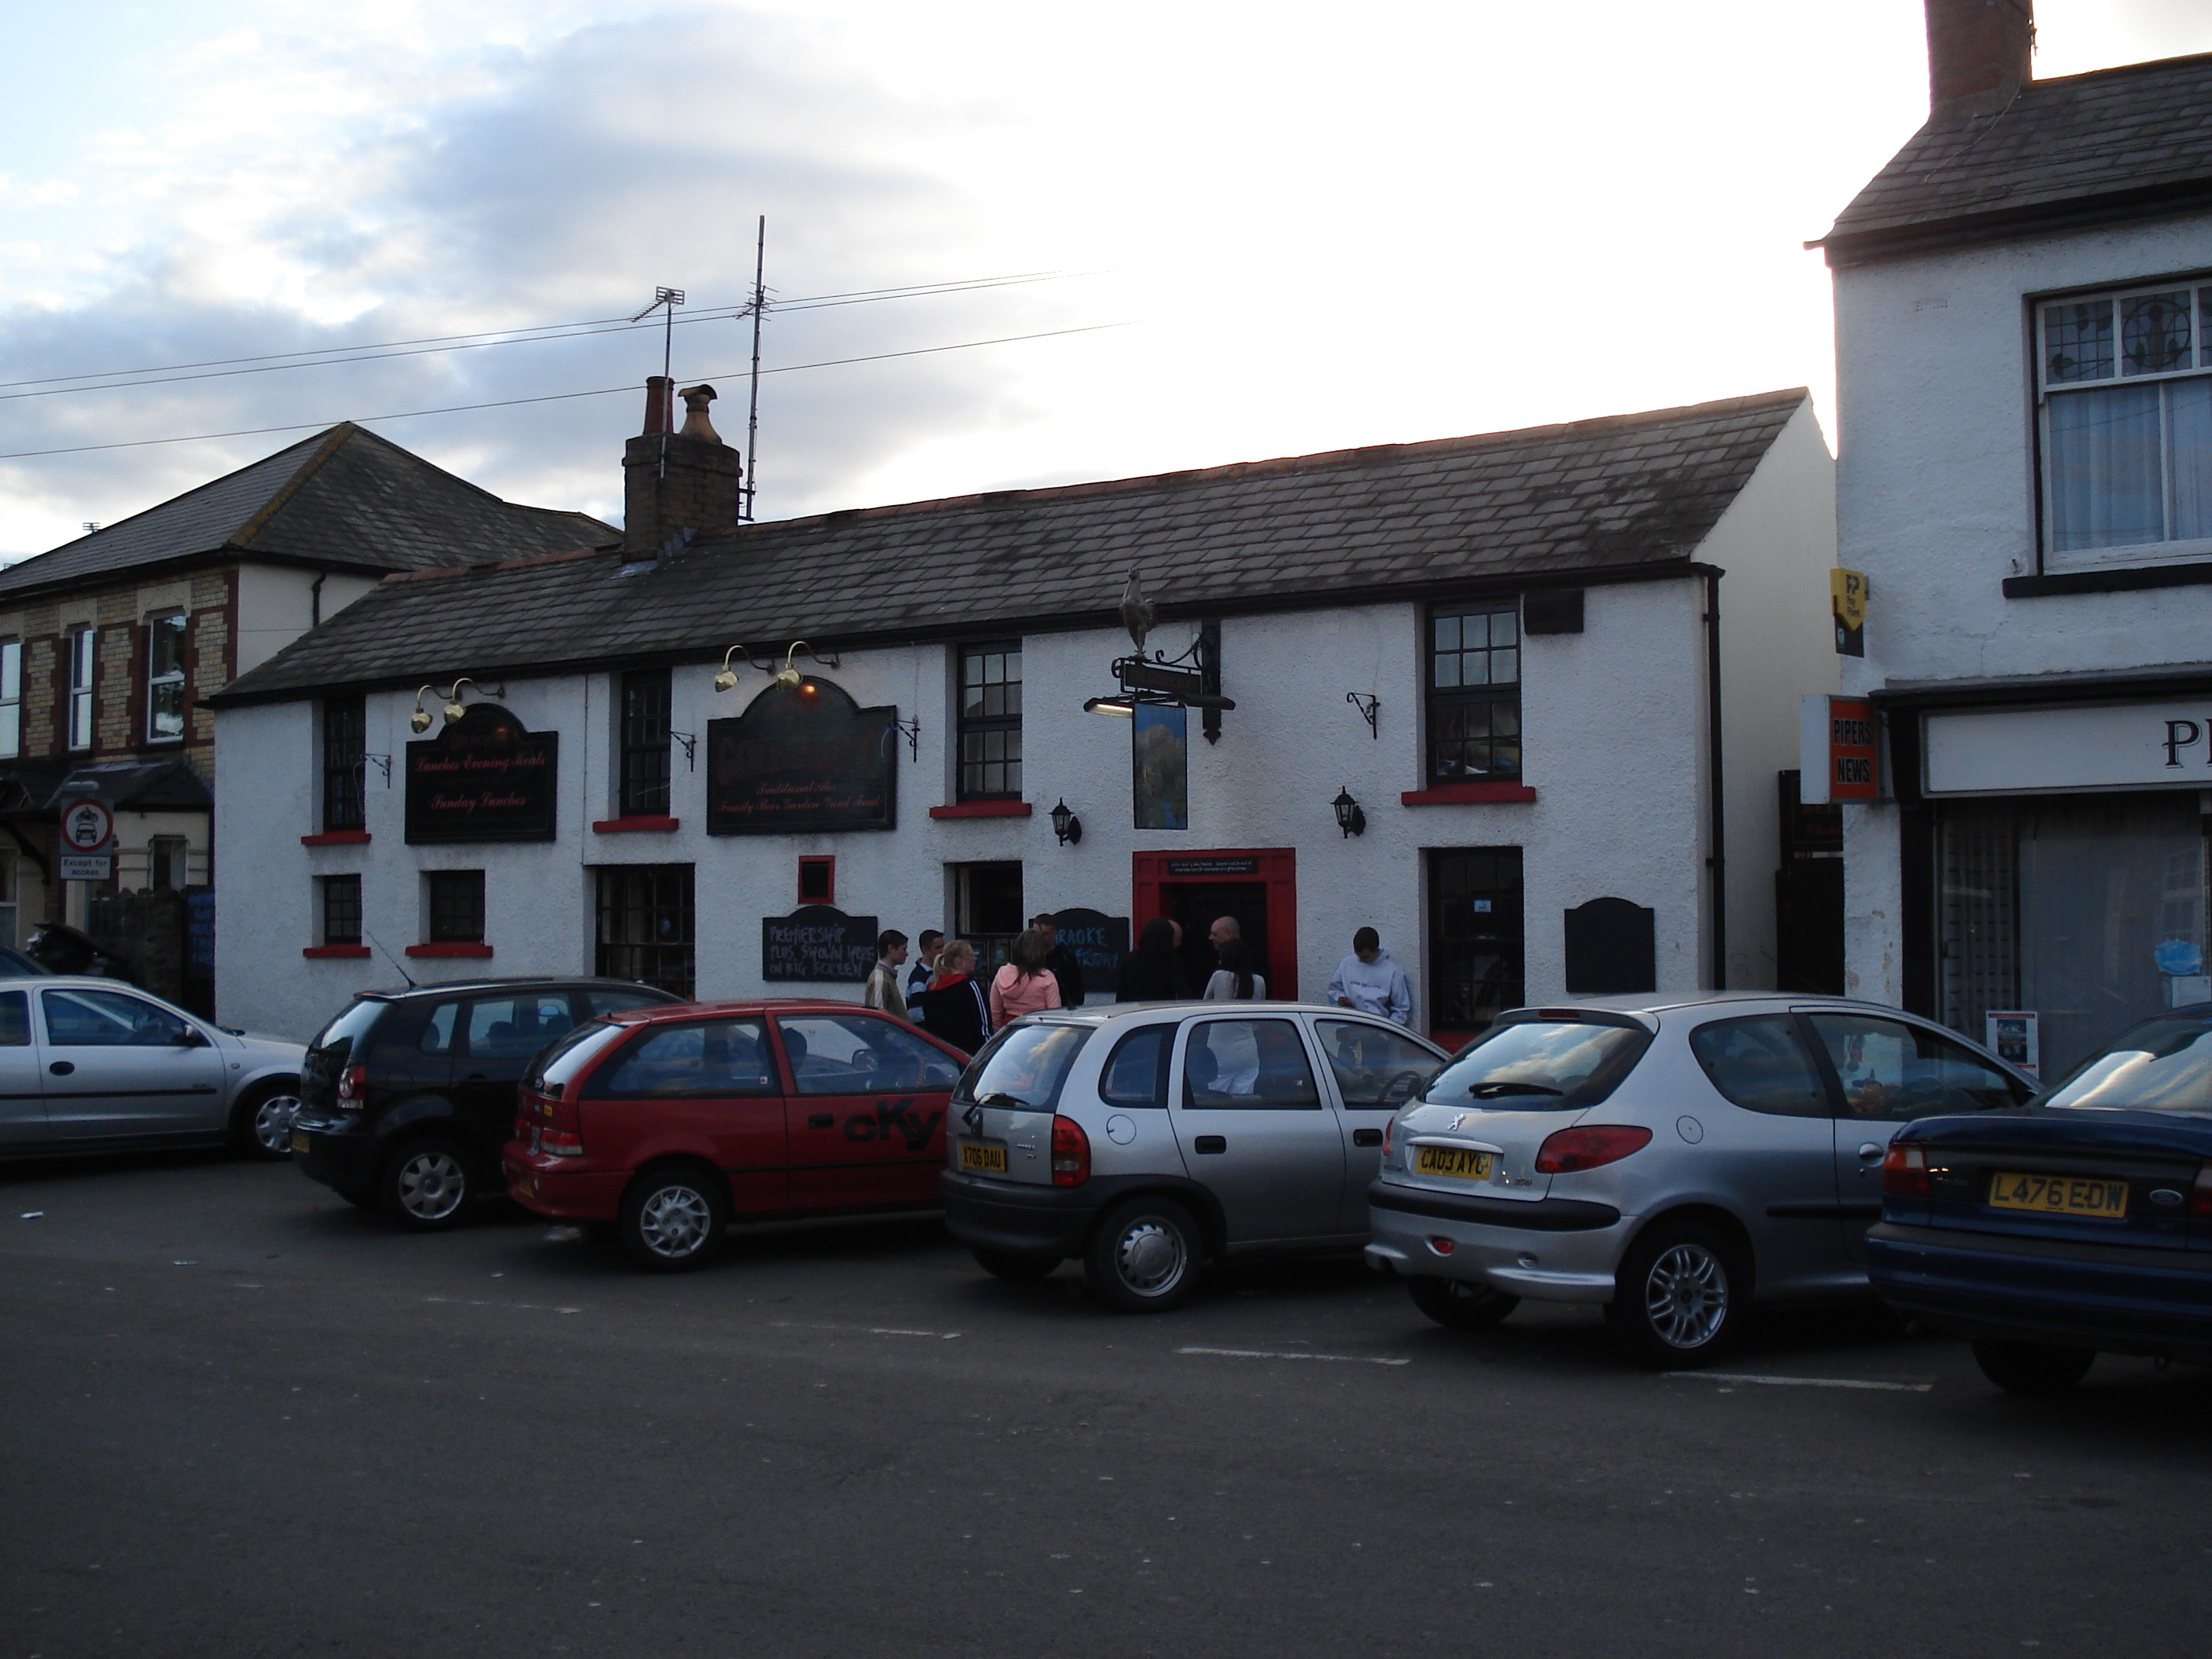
[
  {"x": 345, "y": 764},
  {"x": 1463, "y": 738},
  {"x": 987, "y": 736},
  {"x": 339, "y": 900},
  {"x": 453, "y": 906},
  {"x": 645, "y": 925},
  {"x": 643, "y": 776},
  {"x": 827, "y": 864}
]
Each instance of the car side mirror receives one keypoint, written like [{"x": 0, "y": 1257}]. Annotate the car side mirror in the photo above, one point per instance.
[{"x": 191, "y": 1038}]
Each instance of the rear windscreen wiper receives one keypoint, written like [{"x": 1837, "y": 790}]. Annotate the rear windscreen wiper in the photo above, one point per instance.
[{"x": 1485, "y": 1090}]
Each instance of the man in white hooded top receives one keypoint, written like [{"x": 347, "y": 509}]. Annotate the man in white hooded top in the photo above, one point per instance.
[{"x": 1369, "y": 982}]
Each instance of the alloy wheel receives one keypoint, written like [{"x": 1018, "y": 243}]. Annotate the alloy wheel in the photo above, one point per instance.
[
  {"x": 431, "y": 1184},
  {"x": 1686, "y": 1295},
  {"x": 674, "y": 1221}
]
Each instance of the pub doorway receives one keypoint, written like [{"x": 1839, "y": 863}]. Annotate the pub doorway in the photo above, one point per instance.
[{"x": 1258, "y": 886}]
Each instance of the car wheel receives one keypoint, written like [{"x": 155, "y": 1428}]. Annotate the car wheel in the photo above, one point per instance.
[
  {"x": 1144, "y": 1256},
  {"x": 2032, "y": 1367},
  {"x": 1679, "y": 1297},
  {"x": 261, "y": 1124},
  {"x": 1459, "y": 1306},
  {"x": 426, "y": 1187},
  {"x": 672, "y": 1221},
  {"x": 1016, "y": 1267}
]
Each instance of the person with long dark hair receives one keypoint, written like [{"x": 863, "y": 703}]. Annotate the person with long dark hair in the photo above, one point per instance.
[
  {"x": 1233, "y": 981},
  {"x": 1153, "y": 972},
  {"x": 1026, "y": 983}
]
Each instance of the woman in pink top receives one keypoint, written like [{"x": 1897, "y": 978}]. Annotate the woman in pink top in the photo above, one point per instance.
[{"x": 1024, "y": 984}]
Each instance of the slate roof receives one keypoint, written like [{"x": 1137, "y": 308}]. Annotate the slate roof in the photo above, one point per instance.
[
  {"x": 1618, "y": 497},
  {"x": 2075, "y": 149},
  {"x": 346, "y": 499}
]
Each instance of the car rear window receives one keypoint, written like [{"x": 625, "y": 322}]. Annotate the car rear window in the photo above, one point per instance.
[
  {"x": 1022, "y": 1068},
  {"x": 2163, "y": 1065},
  {"x": 336, "y": 1041},
  {"x": 558, "y": 1066},
  {"x": 1536, "y": 1064}
]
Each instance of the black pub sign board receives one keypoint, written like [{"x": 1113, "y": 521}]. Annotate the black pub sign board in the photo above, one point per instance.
[
  {"x": 483, "y": 778},
  {"x": 1096, "y": 940},
  {"x": 817, "y": 943},
  {"x": 802, "y": 759}
]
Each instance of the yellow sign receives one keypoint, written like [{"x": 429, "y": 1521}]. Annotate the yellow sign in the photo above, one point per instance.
[{"x": 1848, "y": 588}]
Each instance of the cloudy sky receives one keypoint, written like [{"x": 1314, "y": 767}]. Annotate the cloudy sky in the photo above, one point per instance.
[{"x": 1282, "y": 228}]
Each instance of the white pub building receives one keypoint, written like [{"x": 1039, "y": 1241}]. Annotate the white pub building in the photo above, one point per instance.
[
  {"x": 2024, "y": 329},
  {"x": 1518, "y": 701}
]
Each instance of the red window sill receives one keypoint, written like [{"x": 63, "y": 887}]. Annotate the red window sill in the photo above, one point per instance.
[
  {"x": 635, "y": 826},
  {"x": 449, "y": 949},
  {"x": 336, "y": 950},
  {"x": 336, "y": 838},
  {"x": 983, "y": 809},
  {"x": 1459, "y": 794}
]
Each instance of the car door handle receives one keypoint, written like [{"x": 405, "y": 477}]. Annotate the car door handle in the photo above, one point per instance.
[
  {"x": 1367, "y": 1137},
  {"x": 63, "y": 1067},
  {"x": 1210, "y": 1144},
  {"x": 821, "y": 1121},
  {"x": 1869, "y": 1152}
]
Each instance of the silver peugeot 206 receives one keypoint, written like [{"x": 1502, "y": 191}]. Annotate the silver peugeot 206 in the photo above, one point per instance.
[{"x": 1675, "y": 1159}]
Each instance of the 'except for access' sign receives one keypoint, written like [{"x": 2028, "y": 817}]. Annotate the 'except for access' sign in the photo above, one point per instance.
[
  {"x": 87, "y": 867},
  {"x": 87, "y": 826}
]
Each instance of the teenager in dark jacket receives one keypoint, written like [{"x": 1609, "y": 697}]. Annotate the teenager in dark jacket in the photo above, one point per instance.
[
  {"x": 953, "y": 1006},
  {"x": 1153, "y": 972}
]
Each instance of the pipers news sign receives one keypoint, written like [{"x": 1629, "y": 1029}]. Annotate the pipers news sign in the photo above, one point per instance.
[
  {"x": 483, "y": 778},
  {"x": 802, "y": 759}
]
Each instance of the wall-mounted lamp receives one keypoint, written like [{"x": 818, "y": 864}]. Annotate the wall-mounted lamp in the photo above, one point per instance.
[
  {"x": 1066, "y": 824},
  {"x": 420, "y": 720},
  {"x": 728, "y": 677},
  {"x": 1349, "y": 817},
  {"x": 453, "y": 710},
  {"x": 1118, "y": 706}
]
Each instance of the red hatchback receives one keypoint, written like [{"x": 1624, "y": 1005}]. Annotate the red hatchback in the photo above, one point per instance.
[{"x": 671, "y": 1121}]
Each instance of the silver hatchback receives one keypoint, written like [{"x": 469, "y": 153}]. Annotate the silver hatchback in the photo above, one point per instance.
[
  {"x": 1674, "y": 1159},
  {"x": 1145, "y": 1138}
]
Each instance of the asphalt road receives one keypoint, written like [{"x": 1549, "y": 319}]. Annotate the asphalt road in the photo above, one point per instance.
[{"x": 238, "y": 1418}]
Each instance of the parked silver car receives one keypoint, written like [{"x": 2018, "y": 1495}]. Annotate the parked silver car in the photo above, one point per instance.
[
  {"x": 1064, "y": 1141},
  {"x": 1675, "y": 1159},
  {"x": 91, "y": 1064}
]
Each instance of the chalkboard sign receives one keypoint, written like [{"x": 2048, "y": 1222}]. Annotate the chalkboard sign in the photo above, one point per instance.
[
  {"x": 802, "y": 759},
  {"x": 819, "y": 943},
  {"x": 1096, "y": 940},
  {"x": 483, "y": 778}
]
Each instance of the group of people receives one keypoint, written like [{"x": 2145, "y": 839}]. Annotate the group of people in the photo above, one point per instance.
[{"x": 942, "y": 993}]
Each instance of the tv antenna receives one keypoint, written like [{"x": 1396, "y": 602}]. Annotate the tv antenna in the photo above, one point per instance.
[
  {"x": 752, "y": 413},
  {"x": 671, "y": 298}
]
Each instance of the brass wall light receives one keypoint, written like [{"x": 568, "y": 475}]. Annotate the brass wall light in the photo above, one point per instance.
[
  {"x": 420, "y": 720},
  {"x": 1349, "y": 817},
  {"x": 728, "y": 677},
  {"x": 1066, "y": 824},
  {"x": 453, "y": 710}
]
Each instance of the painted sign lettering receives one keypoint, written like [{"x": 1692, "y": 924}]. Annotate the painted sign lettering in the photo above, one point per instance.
[
  {"x": 483, "y": 778},
  {"x": 804, "y": 758}
]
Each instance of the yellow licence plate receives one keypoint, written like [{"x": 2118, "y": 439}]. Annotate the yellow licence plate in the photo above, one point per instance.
[
  {"x": 2059, "y": 1194},
  {"x": 1460, "y": 1160},
  {"x": 298, "y": 1143},
  {"x": 982, "y": 1157}
]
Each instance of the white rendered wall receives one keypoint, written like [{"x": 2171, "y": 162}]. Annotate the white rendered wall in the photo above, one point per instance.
[
  {"x": 1936, "y": 501},
  {"x": 276, "y": 604},
  {"x": 1777, "y": 543}
]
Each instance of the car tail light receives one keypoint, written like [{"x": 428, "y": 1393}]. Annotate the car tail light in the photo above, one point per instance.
[
  {"x": 2200, "y": 1195},
  {"x": 560, "y": 1143},
  {"x": 1905, "y": 1171},
  {"x": 1440, "y": 1244},
  {"x": 353, "y": 1088},
  {"x": 1588, "y": 1147},
  {"x": 1071, "y": 1153}
]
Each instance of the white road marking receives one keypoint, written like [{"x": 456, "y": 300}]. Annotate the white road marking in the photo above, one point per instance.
[
  {"x": 1261, "y": 1354},
  {"x": 526, "y": 1307},
  {"x": 893, "y": 1330},
  {"x": 1805, "y": 1382}
]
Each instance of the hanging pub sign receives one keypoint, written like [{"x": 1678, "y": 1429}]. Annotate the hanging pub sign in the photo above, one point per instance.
[
  {"x": 802, "y": 759},
  {"x": 819, "y": 944},
  {"x": 483, "y": 778}
]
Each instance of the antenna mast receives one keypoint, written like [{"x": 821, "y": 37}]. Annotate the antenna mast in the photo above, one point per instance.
[
  {"x": 671, "y": 298},
  {"x": 752, "y": 413}
]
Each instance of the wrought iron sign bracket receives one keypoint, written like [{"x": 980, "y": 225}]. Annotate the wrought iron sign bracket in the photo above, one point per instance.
[
  {"x": 690, "y": 742},
  {"x": 382, "y": 764},
  {"x": 911, "y": 731},
  {"x": 1371, "y": 709}
]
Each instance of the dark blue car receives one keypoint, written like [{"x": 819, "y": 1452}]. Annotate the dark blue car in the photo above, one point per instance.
[{"x": 2080, "y": 1225}]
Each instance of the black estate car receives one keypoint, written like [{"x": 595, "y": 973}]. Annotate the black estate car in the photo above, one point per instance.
[{"x": 406, "y": 1097}]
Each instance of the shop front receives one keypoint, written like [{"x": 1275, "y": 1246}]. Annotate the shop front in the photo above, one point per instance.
[{"x": 2057, "y": 859}]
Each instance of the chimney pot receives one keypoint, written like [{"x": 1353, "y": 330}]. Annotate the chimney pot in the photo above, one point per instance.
[
  {"x": 1980, "y": 54},
  {"x": 675, "y": 485},
  {"x": 696, "y": 423},
  {"x": 660, "y": 405}
]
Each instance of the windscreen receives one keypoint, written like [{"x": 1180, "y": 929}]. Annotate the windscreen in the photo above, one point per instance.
[
  {"x": 1022, "y": 1068},
  {"x": 2163, "y": 1065},
  {"x": 558, "y": 1066},
  {"x": 1539, "y": 1065}
]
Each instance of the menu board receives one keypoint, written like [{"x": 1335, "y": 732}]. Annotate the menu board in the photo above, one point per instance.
[
  {"x": 1096, "y": 940},
  {"x": 820, "y": 944},
  {"x": 802, "y": 759},
  {"x": 483, "y": 778}
]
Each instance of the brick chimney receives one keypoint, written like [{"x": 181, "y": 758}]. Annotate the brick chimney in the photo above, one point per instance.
[
  {"x": 1980, "y": 54},
  {"x": 674, "y": 481}
]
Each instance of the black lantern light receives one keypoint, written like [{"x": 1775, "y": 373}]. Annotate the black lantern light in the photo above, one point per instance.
[
  {"x": 1066, "y": 824},
  {"x": 1349, "y": 817}
]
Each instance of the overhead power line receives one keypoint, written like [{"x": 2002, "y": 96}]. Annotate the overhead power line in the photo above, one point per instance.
[
  {"x": 552, "y": 397},
  {"x": 531, "y": 334}
]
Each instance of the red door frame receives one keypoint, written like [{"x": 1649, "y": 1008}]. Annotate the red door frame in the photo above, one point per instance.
[{"x": 1277, "y": 867}]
